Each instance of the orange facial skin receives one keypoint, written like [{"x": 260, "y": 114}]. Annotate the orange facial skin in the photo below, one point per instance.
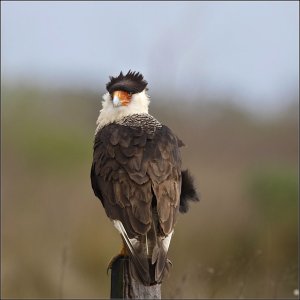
[{"x": 123, "y": 96}]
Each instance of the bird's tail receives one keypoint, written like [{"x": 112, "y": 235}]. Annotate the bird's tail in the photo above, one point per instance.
[
  {"x": 148, "y": 261},
  {"x": 138, "y": 263}
]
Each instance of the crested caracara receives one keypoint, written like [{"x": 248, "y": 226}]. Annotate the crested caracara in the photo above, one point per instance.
[{"x": 136, "y": 173}]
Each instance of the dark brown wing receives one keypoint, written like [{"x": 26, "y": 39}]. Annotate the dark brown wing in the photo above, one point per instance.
[
  {"x": 134, "y": 172},
  {"x": 129, "y": 164}
]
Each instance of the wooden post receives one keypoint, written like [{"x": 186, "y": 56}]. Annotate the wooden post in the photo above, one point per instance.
[{"x": 123, "y": 286}]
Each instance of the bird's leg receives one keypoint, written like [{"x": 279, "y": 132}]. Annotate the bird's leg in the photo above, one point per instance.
[{"x": 122, "y": 253}]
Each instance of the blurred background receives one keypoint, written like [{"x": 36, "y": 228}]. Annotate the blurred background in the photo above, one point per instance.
[{"x": 223, "y": 75}]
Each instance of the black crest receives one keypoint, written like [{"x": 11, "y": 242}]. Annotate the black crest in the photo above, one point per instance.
[{"x": 132, "y": 82}]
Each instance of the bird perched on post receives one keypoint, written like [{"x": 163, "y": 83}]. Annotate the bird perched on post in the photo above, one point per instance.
[{"x": 136, "y": 173}]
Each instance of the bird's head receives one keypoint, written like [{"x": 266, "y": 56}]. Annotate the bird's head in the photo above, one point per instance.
[
  {"x": 126, "y": 95},
  {"x": 124, "y": 88}
]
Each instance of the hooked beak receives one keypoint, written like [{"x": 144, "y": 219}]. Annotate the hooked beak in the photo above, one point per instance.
[
  {"x": 116, "y": 101},
  {"x": 121, "y": 98}
]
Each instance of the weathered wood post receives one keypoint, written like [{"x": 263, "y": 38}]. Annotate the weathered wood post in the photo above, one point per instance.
[{"x": 123, "y": 286}]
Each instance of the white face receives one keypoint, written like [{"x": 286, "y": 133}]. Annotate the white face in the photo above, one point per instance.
[{"x": 119, "y": 105}]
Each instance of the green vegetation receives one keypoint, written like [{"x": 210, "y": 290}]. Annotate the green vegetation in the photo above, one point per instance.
[{"x": 275, "y": 193}]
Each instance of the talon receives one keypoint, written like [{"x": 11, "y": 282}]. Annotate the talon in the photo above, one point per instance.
[
  {"x": 112, "y": 261},
  {"x": 115, "y": 258}
]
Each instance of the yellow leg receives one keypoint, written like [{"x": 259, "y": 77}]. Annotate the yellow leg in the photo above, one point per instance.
[
  {"x": 123, "y": 250},
  {"x": 122, "y": 253}
]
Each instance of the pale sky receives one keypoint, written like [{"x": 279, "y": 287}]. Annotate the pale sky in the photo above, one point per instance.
[{"x": 248, "y": 49}]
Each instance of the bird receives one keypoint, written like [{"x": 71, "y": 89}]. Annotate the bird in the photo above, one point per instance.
[{"x": 137, "y": 174}]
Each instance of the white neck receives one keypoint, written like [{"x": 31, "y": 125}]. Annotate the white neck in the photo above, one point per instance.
[{"x": 108, "y": 114}]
